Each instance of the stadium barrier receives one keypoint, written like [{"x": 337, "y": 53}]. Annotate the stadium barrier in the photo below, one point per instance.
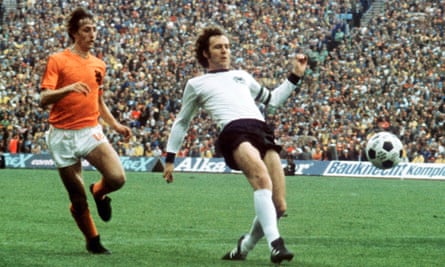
[
  {"x": 45, "y": 161},
  {"x": 356, "y": 169}
]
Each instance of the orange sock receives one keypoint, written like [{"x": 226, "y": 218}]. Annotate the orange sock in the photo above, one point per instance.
[
  {"x": 85, "y": 223},
  {"x": 100, "y": 188}
]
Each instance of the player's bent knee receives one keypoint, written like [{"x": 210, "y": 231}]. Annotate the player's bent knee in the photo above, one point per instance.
[{"x": 116, "y": 182}]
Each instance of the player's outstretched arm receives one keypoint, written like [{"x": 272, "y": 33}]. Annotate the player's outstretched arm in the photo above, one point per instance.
[
  {"x": 110, "y": 120},
  {"x": 279, "y": 95}
]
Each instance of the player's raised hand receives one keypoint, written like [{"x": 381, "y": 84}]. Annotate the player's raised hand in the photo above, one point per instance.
[{"x": 299, "y": 64}]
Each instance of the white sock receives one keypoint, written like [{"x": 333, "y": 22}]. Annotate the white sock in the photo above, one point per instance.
[
  {"x": 266, "y": 213},
  {"x": 255, "y": 234}
]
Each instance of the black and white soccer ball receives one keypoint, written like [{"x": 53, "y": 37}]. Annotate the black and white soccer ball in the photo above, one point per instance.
[{"x": 384, "y": 150}]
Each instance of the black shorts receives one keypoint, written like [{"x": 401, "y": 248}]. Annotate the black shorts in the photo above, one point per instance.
[{"x": 256, "y": 132}]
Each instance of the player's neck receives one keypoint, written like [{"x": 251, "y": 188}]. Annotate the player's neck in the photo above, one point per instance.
[{"x": 79, "y": 52}]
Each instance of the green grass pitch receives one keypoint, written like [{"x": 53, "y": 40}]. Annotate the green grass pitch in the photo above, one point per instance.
[{"x": 199, "y": 217}]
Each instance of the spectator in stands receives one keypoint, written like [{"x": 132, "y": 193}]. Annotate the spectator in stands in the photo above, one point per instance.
[
  {"x": 306, "y": 154},
  {"x": 289, "y": 169},
  {"x": 318, "y": 153},
  {"x": 440, "y": 158},
  {"x": 345, "y": 155},
  {"x": 36, "y": 148},
  {"x": 418, "y": 158},
  {"x": 5, "y": 120},
  {"x": 137, "y": 147},
  {"x": 14, "y": 144},
  {"x": 148, "y": 152}
]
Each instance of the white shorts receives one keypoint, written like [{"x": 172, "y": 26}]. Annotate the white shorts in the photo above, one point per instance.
[{"x": 67, "y": 147}]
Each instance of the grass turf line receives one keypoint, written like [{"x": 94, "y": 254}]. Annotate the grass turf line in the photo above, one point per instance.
[{"x": 199, "y": 217}]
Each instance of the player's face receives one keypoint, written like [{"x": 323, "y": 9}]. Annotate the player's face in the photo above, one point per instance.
[
  {"x": 219, "y": 52},
  {"x": 86, "y": 35}
]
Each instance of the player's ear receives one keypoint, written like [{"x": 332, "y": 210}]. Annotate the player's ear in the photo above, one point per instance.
[{"x": 204, "y": 54}]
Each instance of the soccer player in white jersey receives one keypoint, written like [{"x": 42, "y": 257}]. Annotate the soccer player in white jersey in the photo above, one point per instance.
[{"x": 245, "y": 141}]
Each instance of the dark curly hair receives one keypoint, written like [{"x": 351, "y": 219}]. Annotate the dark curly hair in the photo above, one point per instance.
[
  {"x": 202, "y": 43},
  {"x": 72, "y": 22}
]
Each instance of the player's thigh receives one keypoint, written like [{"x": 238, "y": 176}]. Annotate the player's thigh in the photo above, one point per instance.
[
  {"x": 105, "y": 159},
  {"x": 248, "y": 158}
]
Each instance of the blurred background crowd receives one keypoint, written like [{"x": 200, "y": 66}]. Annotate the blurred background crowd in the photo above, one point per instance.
[{"x": 374, "y": 65}]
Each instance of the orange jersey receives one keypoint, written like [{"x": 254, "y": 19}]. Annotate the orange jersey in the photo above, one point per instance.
[{"x": 74, "y": 111}]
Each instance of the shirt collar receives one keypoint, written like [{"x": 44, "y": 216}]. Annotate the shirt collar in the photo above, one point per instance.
[{"x": 218, "y": 70}]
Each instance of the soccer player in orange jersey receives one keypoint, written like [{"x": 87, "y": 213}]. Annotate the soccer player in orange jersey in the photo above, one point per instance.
[{"x": 72, "y": 87}]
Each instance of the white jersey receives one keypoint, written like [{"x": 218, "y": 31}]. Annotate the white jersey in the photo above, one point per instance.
[{"x": 226, "y": 96}]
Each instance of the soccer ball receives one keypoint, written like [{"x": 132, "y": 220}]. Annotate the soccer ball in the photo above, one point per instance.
[{"x": 384, "y": 150}]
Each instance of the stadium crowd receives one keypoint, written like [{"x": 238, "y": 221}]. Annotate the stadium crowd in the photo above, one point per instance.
[{"x": 388, "y": 74}]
